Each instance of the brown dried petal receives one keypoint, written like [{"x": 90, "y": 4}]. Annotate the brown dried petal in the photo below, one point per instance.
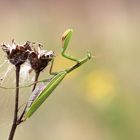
[
  {"x": 38, "y": 64},
  {"x": 16, "y": 54}
]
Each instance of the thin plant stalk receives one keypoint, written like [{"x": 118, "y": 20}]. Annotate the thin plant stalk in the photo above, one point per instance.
[
  {"x": 15, "y": 124},
  {"x": 34, "y": 86}
]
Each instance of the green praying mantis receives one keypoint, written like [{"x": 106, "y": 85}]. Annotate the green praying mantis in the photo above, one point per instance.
[
  {"x": 40, "y": 96},
  {"x": 42, "y": 91}
]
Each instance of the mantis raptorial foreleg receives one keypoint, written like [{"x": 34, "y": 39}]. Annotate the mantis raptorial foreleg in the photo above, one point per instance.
[{"x": 65, "y": 41}]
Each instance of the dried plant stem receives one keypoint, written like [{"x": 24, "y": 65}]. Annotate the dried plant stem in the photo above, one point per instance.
[
  {"x": 15, "y": 123},
  {"x": 20, "y": 120}
]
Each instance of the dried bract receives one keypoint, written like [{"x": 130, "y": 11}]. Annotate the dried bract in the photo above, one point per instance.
[
  {"x": 17, "y": 54},
  {"x": 39, "y": 59}
]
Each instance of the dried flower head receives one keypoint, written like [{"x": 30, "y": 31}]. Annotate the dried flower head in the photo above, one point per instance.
[
  {"x": 39, "y": 59},
  {"x": 17, "y": 54}
]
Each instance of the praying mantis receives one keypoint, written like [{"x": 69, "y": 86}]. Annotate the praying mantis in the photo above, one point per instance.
[{"x": 40, "y": 96}]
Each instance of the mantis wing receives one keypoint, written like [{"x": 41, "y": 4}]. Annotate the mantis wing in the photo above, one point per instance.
[{"x": 44, "y": 94}]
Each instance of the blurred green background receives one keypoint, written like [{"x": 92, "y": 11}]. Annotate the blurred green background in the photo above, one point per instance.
[{"x": 98, "y": 101}]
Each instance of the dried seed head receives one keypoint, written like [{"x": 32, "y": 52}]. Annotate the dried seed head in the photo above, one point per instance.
[
  {"x": 17, "y": 54},
  {"x": 39, "y": 59}
]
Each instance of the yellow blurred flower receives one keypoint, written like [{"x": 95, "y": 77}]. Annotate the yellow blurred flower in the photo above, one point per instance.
[{"x": 100, "y": 85}]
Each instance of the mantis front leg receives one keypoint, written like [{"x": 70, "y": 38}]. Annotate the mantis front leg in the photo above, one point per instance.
[{"x": 65, "y": 40}]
